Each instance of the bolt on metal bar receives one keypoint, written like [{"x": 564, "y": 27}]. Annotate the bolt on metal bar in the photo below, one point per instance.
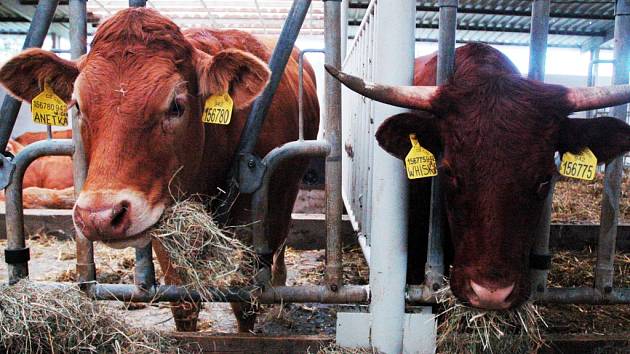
[
  {"x": 537, "y": 56},
  {"x": 604, "y": 269},
  {"x": 13, "y": 202},
  {"x": 86, "y": 268},
  {"x": 434, "y": 269},
  {"x": 40, "y": 23},
  {"x": 301, "y": 90},
  {"x": 277, "y": 64},
  {"x": 332, "y": 134}
]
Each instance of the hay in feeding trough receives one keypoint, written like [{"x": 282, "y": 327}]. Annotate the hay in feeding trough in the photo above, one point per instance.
[
  {"x": 61, "y": 319},
  {"x": 464, "y": 329},
  {"x": 203, "y": 254}
]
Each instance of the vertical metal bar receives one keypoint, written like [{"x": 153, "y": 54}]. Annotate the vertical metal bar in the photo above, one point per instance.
[
  {"x": 394, "y": 40},
  {"x": 612, "y": 182},
  {"x": 434, "y": 268},
  {"x": 537, "y": 56},
  {"x": 332, "y": 134},
  {"x": 86, "y": 269},
  {"x": 137, "y": 3},
  {"x": 301, "y": 89},
  {"x": 40, "y": 23},
  {"x": 539, "y": 31},
  {"x": 593, "y": 70},
  {"x": 344, "y": 29}
]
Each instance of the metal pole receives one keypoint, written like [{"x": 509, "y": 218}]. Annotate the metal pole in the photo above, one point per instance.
[
  {"x": 40, "y": 23},
  {"x": 434, "y": 268},
  {"x": 612, "y": 182},
  {"x": 593, "y": 70},
  {"x": 301, "y": 89},
  {"x": 344, "y": 28},
  {"x": 86, "y": 269},
  {"x": 137, "y": 3},
  {"x": 537, "y": 56},
  {"x": 394, "y": 41},
  {"x": 14, "y": 208},
  {"x": 332, "y": 134},
  {"x": 538, "y": 39}
]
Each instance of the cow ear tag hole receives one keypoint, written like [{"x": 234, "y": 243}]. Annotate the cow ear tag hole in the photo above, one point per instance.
[
  {"x": 419, "y": 162},
  {"x": 218, "y": 109},
  {"x": 49, "y": 109},
  {"x": 581, "y": 166}
]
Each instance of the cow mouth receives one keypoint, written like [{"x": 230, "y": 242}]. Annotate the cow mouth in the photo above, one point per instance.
[{"x": 138, "y": 241}]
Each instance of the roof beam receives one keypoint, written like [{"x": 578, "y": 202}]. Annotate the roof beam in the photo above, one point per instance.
[
  {"x": 598, "y": 41},
  {"x": 27, "y": 12},
  {"x": 499, "y": 12}
]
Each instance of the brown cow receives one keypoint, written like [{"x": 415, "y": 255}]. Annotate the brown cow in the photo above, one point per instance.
[
  {"x": 141, "y": 91},
  {"x": 497, "y": 133}
]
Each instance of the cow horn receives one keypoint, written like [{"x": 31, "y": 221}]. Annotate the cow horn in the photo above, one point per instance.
[
  {"x": 414, "y": 97},
  {"x": 587, "y": 98}
]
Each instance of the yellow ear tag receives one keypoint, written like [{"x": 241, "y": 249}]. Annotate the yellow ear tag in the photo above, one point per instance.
[
  {"x": 218, "y": 109},
  {"x": 419, "y": 162},
  {"x": 580, "y": 166},
  {"x": 47, "y": 108}
]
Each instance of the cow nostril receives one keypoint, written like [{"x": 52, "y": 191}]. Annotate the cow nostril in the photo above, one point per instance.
[
  {"x": 119, "y": 213},
  {"x": 491, "y": 298}
]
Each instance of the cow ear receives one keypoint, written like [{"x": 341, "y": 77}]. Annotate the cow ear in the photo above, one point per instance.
[
  {"x": 24, "y": 76},
  {"x": 241, "y": 74},
  {"x": 607, "y": 137},
  {"x": 393, "y": 134}
]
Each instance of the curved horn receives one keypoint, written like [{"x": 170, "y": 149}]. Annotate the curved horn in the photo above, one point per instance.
[
  {"x": 587, "y": 98},
  {"x": 414, "y": 97}
]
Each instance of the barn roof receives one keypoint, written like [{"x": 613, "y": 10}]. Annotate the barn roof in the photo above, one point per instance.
[{"x": 577, "y": 24}]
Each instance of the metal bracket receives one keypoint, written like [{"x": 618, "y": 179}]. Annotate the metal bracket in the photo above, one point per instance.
[
  {"x": 251, "y": 170},
  {"x": 6, "y": 169}
]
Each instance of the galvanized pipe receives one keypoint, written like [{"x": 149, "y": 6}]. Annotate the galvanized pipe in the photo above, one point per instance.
[
  {"x": 609, "y": 220},
  {"x": 260, "y": 198},
  {"x": 40, "y": 23},
  {"x": 584, "y": 296},
  {"x": 537, "y": 57},
  {"x": 332, "y": 134},
  {"x": 144, "y": 268},
  {"x": 593, "y": 71},
  {"x": 350, "y": 294},
  {"x": 301, "y": 89},
  {"x": 86, "y": 268},
  {"x": 137, "y": 3},
  {"x": 13, "y": 193},
  {"x": 394, "y": 64},
  {"x": 539, "y": 31},
  {"x": 434, "y": 268}
]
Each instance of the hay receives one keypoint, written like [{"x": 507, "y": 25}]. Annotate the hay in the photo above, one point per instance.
[
  {"x": 464, "y": 329},
  {"x": 56, "y": 319},
  {"x": 203, "y": 254},
  {"x": 333, "y": 348}
]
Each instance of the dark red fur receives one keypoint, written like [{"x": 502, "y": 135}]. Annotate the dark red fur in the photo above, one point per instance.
[{"x": 498, "y": 133}]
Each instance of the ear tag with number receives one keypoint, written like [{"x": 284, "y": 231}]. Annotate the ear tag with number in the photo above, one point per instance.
[
  {"x": 580, "y": 166},
  {"x": 419, "y": 162},
  {"x": 49, "y": 109},
  {"x": 218, "y": 109}
]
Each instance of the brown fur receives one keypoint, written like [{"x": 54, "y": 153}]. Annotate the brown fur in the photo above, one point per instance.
[
  {"x": 497, "y": 133},
  {"x": 138, "y": 63}
]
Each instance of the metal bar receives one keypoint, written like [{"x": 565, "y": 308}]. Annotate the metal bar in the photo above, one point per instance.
[
  {"x": 393, "y": 43},
  {"x": 35, "y": 38},
  {"x": 260, "y": 198},
  {"x": 349, "y": 294},
  {"x": 537, "y": 56},
  {"x": 332, "y": 134},
  {"x": 144, "y": 269},
  {"x": 584, "y": 296},
  {"x": 86, "y": 268},
  {"x": 593, "y": 71},
  {"x": 137, "y": 3},
  {"x": 13, "y": 202},
  {"x": 434, "y": 268},
  {"x": 277, "y": 64},
  {"x": 609, "y": 220},
  {"x": 301, "y": 89}
]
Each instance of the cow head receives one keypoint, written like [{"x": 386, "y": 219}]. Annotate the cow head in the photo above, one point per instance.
[
  {"x": 497, "y": 134},
  {"x": 140, "y": 92}
]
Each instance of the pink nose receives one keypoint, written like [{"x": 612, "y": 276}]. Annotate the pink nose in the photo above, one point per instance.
[
  {"x": 103, "y": 223},
  {"x": 490, "y": 298}
]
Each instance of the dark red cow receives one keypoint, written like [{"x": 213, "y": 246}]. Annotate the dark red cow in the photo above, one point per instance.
[
  {"x": 141, "y": 91},
  {"x": 498, "y": 133}
]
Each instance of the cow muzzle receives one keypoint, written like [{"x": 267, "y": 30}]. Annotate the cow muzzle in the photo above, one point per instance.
[
  {"x": 491, "y": 298},
  {"x": 118, "y": 218}
]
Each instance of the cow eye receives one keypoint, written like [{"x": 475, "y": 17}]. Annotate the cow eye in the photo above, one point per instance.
[
  {"x": 176, "y": 108},
  {"x": 543, "y": 188}
]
